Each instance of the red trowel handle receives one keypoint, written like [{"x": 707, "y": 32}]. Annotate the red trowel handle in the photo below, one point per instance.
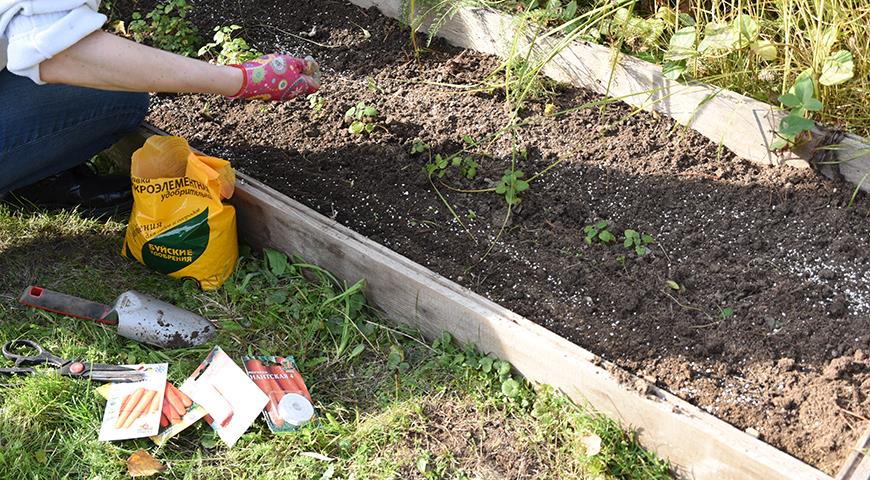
[{"x": 41, "y": 298}]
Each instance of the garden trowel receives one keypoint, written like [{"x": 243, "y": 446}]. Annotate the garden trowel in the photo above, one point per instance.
[{"x": 138, "y": 316}]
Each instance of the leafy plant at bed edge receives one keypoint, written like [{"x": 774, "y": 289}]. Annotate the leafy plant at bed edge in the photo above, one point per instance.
[
  {"x": 167, "y": 28},
  {"x": 363, "y": 119},
  {"x": 801, "y": 100},
  {"x": 230, "y": 49}
]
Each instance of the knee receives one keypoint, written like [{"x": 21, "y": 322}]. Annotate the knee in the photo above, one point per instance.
[{"x": 137, "y": 104}]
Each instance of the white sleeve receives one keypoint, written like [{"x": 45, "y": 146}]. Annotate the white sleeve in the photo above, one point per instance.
[{"x": 40, "y": 29}]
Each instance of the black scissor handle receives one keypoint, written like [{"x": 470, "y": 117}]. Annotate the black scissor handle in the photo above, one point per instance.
[{"x": 42, "y": 355}]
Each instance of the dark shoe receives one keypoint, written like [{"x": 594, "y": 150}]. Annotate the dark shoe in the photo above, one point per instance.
[{"x": 94, "y": 196}]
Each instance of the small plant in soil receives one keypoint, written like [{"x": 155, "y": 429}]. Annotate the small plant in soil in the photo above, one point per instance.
[
  {"x": 726, "y": 313},
  {"x": 511, "y": 186},
  {"x": 466, "y": 165},
  {"x": 363, "y": 119},
  {"x": 316, "y": 102},
  {"x": 598, "y": 232},
  {"x": 225, "y": 48},
  {"x": 418, "y": 147},
  {"x": 800, "y": 100},
  {"x": 637, "y": 241},
  {"x": 167, "y": 28}
]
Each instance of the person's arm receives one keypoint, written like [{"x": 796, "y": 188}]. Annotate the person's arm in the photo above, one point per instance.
[{"x": 105, "y": 61}]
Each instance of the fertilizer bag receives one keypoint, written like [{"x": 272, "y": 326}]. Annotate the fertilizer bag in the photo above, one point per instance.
[{"x": 179, "y": 225}]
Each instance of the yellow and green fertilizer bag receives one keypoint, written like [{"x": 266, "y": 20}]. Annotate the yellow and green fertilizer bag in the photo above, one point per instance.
[{"x": 179, "y": 225}]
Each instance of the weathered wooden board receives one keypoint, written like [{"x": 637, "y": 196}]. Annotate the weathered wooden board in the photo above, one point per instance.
[
  {"x": 857, "y": 466},
  {"x": 743, "y": 125},
  {"x": 699, "y": 445}
]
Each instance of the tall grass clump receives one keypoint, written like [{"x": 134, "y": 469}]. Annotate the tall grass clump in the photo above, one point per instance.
[{"x": 761, "y": 48}]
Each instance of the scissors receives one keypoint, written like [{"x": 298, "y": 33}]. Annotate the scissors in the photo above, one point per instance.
[{"x": 70, "y": 368}]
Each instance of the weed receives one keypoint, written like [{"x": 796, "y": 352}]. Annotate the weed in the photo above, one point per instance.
[
  {"x": 725, "y": 313},
  {"x": 598, "y": 231},
  {"x": 363, "y": 119},
  {"x": 466, "y": 165},
  {"x": 230, "y": 49},
  {"x": 637, "y": 241},
  {"x": 511, "y": 185},
  {"x": 620, "y": 260},
  {"x": 316, "y": 102},
  {"x": 801, "y": 100},
  {"x": 418, "y": 147},
  {"x": 373, "y": 86},
  {"x": 167, "y": 28}
]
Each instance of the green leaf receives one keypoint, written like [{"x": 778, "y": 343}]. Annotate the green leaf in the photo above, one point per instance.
[
  {"x": 356, "y": 127},
  {"x": 278, "y": 297},
  {"x": 793, "y": 125},
  {"x": 686, "y": 20},
  {"x": 813, "y": 105},
  {"x": 838, "y": 68},
  {"x": 606, "y": 237},
  {"x": 627, "y": 242},
  {"x": 486, "y": 364},
  {"x": 674, "y": 70},
  {"x": 804, "y": 87},
  {"x": 356, "y": 351},
  {"x": 682, "y": 44},
  {"x": 601, "y": 224},
  {"x": 503, "y": 368},
  {"x": 672, "y": 285},
  {"x": 746, "y": 29},
  {"x": 629, "y": 233},
  {"x": 790, "y": 100},
  {"x": 370, "y": 112},
  {"x": 640, "y": 250},
  {"x": 422, "y": 464},
  {"x": 510, "y": 388},
  {"x": 727, "y": 312},
  {"x": 521, "y": 186},
  {"x": 394, "y": 359},
  {"x": 647, "y": 238},
  {"x": 764, "y": 49},
  {"x": 570, "y": 10},
  {"x": 780, "y": 143},
  {"x": 718, "y": 36},
  {"x": 277, "y": 261}
]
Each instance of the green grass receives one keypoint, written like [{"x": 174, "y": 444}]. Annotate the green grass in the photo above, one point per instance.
[{"x": 390, "y": 404}]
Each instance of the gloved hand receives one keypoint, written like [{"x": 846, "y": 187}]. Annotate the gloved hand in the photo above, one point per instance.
[{"x": 278, "y": 77}]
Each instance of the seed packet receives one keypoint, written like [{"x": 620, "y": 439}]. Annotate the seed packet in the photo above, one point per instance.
[
  {"x": 231, "y": 398},
  {"x": 290, "y": 405},
  {"x": 133, "y": 409},
  {"x": 172, "y": 420}
]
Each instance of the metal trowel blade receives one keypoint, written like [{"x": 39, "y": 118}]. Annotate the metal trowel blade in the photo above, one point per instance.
[{"x": 145, "y": 319}]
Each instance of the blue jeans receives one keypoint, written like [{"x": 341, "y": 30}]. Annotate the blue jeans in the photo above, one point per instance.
[{"x": 46, "y": 129}]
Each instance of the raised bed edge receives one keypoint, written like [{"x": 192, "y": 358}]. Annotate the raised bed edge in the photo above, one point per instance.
[
  {"x": 857, "y": 466},
  {"x": 744, "y": 125},
  {"x": 699, "y": 445}
]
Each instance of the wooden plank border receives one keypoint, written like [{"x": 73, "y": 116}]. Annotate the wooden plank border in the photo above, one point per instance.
[
  {"x": 857, "y": 466},
  {"x": 743, "y": 125},
  {"x": 698, "y": 445}
]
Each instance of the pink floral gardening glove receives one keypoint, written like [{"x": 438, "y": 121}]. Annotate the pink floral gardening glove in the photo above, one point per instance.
[{"x": 278, "y": 77}]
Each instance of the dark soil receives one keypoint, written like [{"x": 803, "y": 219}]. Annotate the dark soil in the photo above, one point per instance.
[{"x": 775, "y": 245}]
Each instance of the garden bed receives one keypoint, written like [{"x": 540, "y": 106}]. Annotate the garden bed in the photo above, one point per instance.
[{"x": 774, "y": 245}]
